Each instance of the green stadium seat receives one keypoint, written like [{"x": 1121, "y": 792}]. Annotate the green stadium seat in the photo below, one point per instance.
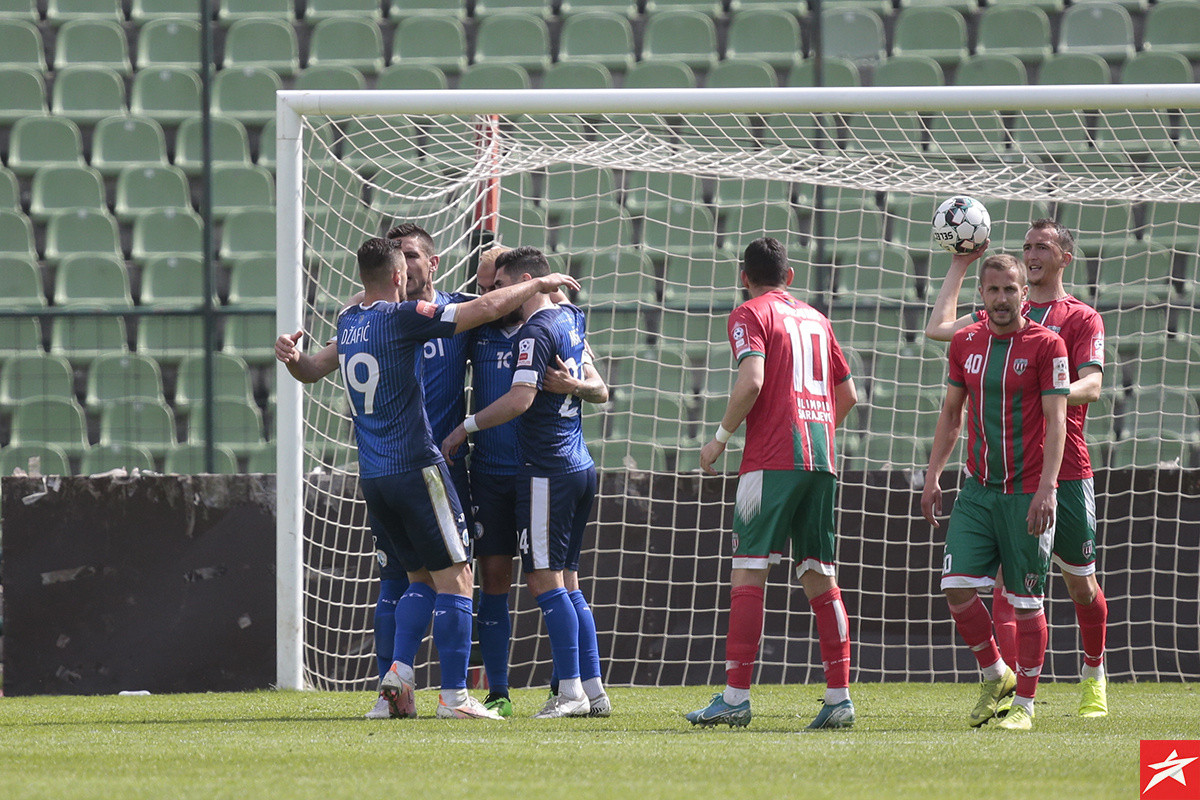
[
  {"x": 173, "y": 281},
  {"x": 189, "y": 459},
  {"x": 22, "y": 283},
  {"x": 767, "y": 34},
  {"x": 29, "y": 375},
  {"x": 24, "y": 92},
  {"x": 1151, "y": 454},
  {"x": 120, "y": 142},
  {"x": 613, "y": 329},
  {"x": 262, "y": 460},
  {"x": 1168, "y": 413},
  {"x": 20, "y": 334},
  {"x": 117, "y": 376},
  {"x": 1104, "y": 29},
  {"x": 577, "y": 75},
  {"x": 494, "y": 76},
  {"x": 64, "y": 187},
  {"x": 36, "y": 142},
  {"x": 252, "y": 338},
  {"x": 1173, "y": 26},
  {"x": 16, "y": 235},
  {"x": 232, "y": 11},
  {"x": 21, "y": 45},
  {"x": 166, "y": 232},
  {"x": 1156, "y": 67},
  {"x": 431, "y": 41},
  {"x": 798, "y": 130},
  {"x": 836, "y": 71},
  {"x": 143, "y": 189},
  {"x": 165, "y": 94},
  {"x": 237, "y": 187},
  {"x": 1133, "y": 272},
  {"x": 347, "y": 42},
  {"x": 853, "y": 33},
  {"x": 1173, "y": 224},
  {"x": 1162, "y": 364},
  {"x": 513, "y": 38},
  {"x": 742, "y": 191},
  {"x": 934, "y": 31},
  {"x": 684, "y": 35},
  {"x": 81, "y": 230},
  {"x": 890, "y": 453},
  {"x": 1074, "y": 68},
  {"x": 237, "y": 425},
  {"x": 986, "y": 136},
  {"x": 617, "y": 276},
  {"x": 103, "y": 458},
  {"x": 848, "y": 232},
  {"x": 168, "y": 339},
  {"x": 230, "y": 144},
  {"x": 252, "y": 282},
  {"x": 143, "y": 423},
  {"x": 88, "y": 94},
  {"x": 736, "y": 73},
  {"x": 56, "y": 421},
  {"x": 660, "y": 74},
  {"x": 647, "y": 192},
  {"x": 144, "y": 11},
  {"x": 51, "y": 460},
  {"x": 1015, "y": 30},
  {"x": 525, "y": 223},
  {"x": 330, "y": 76},
  {"x": 25, "y": 10},
  {"x": 1097, "y": 224},
  {"x": 1132, "y": 329},
  {"x": 909, "y": 70},
  {"x": 748, "y": 220},
  {"x": 597, "y": 37},
  {"x": 246, "y": 94},
  {"x": 595, "y": 226},
  {"x": 61, "y": 12},
  {"x": 10, "y": 190},
  {"x": 247, "y": 233},
  {"x": 1134, "y": 132},
  {"x": 316, "y": 11},
  {"x": 168, "y": 42},
  {"x": 262, "y": 42},
  {"x": 884, "y": 273},
  {"x": 568, "y": 8},
  {"x": 991, "y": 70},
  {"x": 92, "y": 279},
  {"x": 94, "y": 43},
  {"x": 698, "y": 283},
  {"x": 1052, "y": 133},
  {"x": 682, "y": 228},
  {"x": 567, "y": 185},
  {"x": 231, "y": 381},
  {"x": 411, "y": 76}
]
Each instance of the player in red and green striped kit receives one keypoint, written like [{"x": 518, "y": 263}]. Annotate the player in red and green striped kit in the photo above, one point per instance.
[
  {"x": 1048, "y": 250},
  {"x": 1011, "y": 374}
]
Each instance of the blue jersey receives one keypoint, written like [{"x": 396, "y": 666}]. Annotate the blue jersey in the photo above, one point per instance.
[
  {"x": 444, "y": 375},
  {"x": 378, "y": 347},
  {"x": 491, "y": 362},
  {"x": 550, "y": 433}
]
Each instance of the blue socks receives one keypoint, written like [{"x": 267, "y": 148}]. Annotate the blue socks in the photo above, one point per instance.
[
  {"x": 562, "y": 623},
  {"x": 413, "y": 612},
  {"x": 390, "y": 591},
  {"x": 589, "y": 649},
  {"x": 452, "y": 637},
  {"x": 495, "y": 631}
]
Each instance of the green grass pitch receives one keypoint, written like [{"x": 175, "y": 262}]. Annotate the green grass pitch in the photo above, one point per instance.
[{"x": 911, "y": 741}]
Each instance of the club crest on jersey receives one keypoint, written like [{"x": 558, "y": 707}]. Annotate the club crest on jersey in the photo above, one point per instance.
[
  {"x": 525, "y": 353},
  {"x": 1031, "y": 582},
  {"x": 426, "y": 309},
  {"x": 1020, "y": 365}
]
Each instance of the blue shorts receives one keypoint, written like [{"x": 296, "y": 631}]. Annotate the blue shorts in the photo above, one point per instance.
[
  {"x": 495, "y": 501},
  {"x": 462, "y": 485},
  {"x": 419, "y": 514},
  {"x": 552, "y": 514},
  {"x": 390, "y": 567}
]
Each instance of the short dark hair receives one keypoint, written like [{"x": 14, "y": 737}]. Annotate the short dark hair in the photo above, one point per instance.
[
  {"x": 522, "y": 260},
  {"x": 1004, "y": 261},
  {"x": 409, "y": 230},
  {"x": 1066, "y": 242},
  {"x": 375, "y": 258},
  {"x": 765, "y": 262}
]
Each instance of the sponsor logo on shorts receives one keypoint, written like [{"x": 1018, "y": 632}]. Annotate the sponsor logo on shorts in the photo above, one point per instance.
[{"x": 381, "y": 557}]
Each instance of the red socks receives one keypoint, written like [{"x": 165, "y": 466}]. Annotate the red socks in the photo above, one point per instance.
[
  {"x": 745, "y": 632},
  {"x": 975, "y": 627},
  {"x": 834, "y": 633},
  {"x": 1004, "y": 619},
  {"x": 1031, "y": 651},
  {"x": 1093, "y": 622}
]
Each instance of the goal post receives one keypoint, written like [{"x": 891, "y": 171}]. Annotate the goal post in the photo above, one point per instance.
[{"x": 648, "y": 197}]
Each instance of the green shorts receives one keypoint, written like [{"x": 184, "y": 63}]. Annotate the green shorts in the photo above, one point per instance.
[
  {"x": 1075, "y": 527},
  {"x": 989, "y": 529},
  {"x": 774, "y": 506}
]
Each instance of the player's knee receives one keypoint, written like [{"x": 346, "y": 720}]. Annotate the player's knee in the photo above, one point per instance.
[{"x": 1082, "y": 588}]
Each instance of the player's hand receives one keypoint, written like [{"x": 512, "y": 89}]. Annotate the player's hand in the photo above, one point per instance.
[
  {"x": 286, "y": 349},
  {"x": 931, "y": 502},
  {"x": 558, "y": 379},
  {"x": 964, "y": 260},
  {"x": 452, "y": 442},
  {"x": 551, "y": 282},
  {"x": 709, "y": 454},
  {"x": 1042, "y": 509}
]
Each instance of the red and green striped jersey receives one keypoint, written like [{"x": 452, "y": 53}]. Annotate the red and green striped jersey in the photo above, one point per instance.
[
  {"x": 790, "y": 426},
  {"x": 1082, "y": 328},
  {"x": 1005, "y": 376}
]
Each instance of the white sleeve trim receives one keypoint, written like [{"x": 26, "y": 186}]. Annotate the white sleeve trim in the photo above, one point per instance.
[{"x": 529, "y": 376}]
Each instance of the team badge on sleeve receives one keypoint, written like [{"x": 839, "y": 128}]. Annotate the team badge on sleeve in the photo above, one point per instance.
[
  {"x": 426, "y": 309},
  {"x": 525, "y": 353},
  {"x": 1098, "y": 349},
  {"x": 740, "y": 346},
  {"x": 1062, "y": 379}
]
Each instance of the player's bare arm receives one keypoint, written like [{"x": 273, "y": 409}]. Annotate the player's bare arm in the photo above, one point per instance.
[
  {"x": 302, "y": 366},
  {"x": 845, "y": 397},
  {"x": 512, "y": 404},
  {"x": 945, "y": 436},
  {"x": 1045, "y": 501},
  {"x": 590, "y": 388},
  {"x": 498, "y": 302},
  {"x": 1087, "y": 388},
  {"x": 741, "y": 399},
  {"x": 942, "y": 323}
]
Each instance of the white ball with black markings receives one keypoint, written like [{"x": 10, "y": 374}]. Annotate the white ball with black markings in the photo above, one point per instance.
[{"x": 961, "y": 224}]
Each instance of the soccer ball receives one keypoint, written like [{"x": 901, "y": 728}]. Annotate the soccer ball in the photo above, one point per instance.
[{"x": 961, "y": 224}]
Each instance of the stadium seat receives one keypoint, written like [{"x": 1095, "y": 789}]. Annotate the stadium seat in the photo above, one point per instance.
[
  {"x": 262, "y": 459},
  {"x": 881, "y": 273},
  {"x": 617, "y": 276},
  {"x": 56, "y": 421},
  {"x": 568, "y": 8},
  {"x": 750, "y": 219},
  {"x": 411, "y": 76},
  {"x": 1173, "y": 27},
  {"x": 168, "y": 339},
  {"x": 1175, "y": 225},
  {"x": 50, "y": 460},
  {"x": 64, "y": 187},
  {"x": 246, "y": 233},
  {"x": 26, "y": 10},
  {"x": 660, "y": 74},
  {"x": 566, "y": 185},
  {"x": 986, "y": 136},
  {"x": 237, "y": 187},
  {"x": 525, "y": 223},
  {"x": 143, "y": 423},
  {"x": 94, "y": 43},
  {"x": 991, "y": 70},
  {"x": 847, "y": 232},
  {"x": 1015, "y": 30},
  {"x": 852, "y": 33},
  {"x": 685, "y": 35},
  {"x": 681, "y": 228},
  {"x": 21, "y": 44},
  {"x": 252, "y": 338},
  {"x": 736, "y": 73},
  {"x": 29, "y": 375},
  {"x": 117, "y": 376},
  {"x": 165, "y": 94},
  {"x": 494, "y": 76},
  {"x": 237, "y": 425},
  {"x": 1052, "y": 133},
  {"x": 599, "y": 38},
  {"x": 514, "y": 38},
  {"x": 246, "y": 94},
  {"x": 577, "y": 75},
  {"x": 1132, "y": 329},
  {"x": 22, "y": 283},
  {"x": 21, "y": 334},
  {"x": 232, "y": 11},
  {"x": 120, "y": 142},
  {"x": 484, "y": 9},
  {"x": 594, "y": 226},
  {"x": 262, "y": 42},
  {"x": 81, "y": 230},
  {"x": 890, "y": 453},
  {"x": 1097, "y": 224},
  {"x": 330, "y": 76},
  {"x": 10, "y": 190},
  {"x": 87, "y": 94},
  {"x": 16, "y": 235},
  {"x": 1105, "y": 29},
  {"x": 1162, "y": 364},
  {"x": 168, "y": 42},
  {"x": 836, "y": 71},
  {"x": 1134, "y": 132},
  {"x": 142, "y": 189},
  {"x": 24, "y": 92},
  {"x": 230, "y": 144},
  {"x": 1162, "y": 413},
  {"x": 252, "y": 282},
  {"x": 61, "y": 12},
  {"x": 167, "y": 232},
  {"x": 347, "y": 42},
  {"x": 1156, "y": 67},
  {"x": 173, "y": 281},
  {"x": 188, "y": 459},
  {"x": 431, "y": 41},
  {"x": 92, "y": 279},
  {"x": 103, "y": 458},
  {"x": 1074, "y": 68},
  {"x": 231, "y": 381},
  {"x": 315, "y": 11},
  {"x": 37, "y": 142},
  {"x": 767, "y": 34},
  {"x": 144, "y": 11},
  {"x": 909, "y": 70},
  {"x": 934, "y": 31},
  {"x": 1133, "y": 272},
  {"x": 1151, "y": 453}
]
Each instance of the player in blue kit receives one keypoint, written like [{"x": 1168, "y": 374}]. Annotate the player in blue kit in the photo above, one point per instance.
[
  {"x": 403, "y": 477},
  {"x": 556, "y": 482}
]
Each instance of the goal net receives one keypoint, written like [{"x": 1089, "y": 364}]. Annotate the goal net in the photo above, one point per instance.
[{"x": 649, "y": 197}]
